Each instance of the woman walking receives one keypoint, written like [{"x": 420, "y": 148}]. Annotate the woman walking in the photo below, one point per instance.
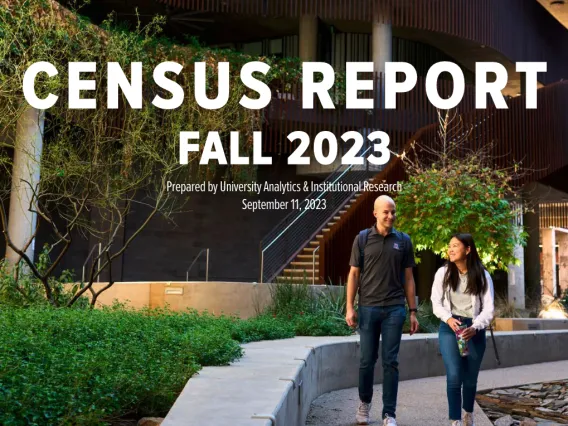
[{"x": 463, "y": 299}]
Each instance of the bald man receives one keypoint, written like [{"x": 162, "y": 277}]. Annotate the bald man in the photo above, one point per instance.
[{"x": 381, "y": 262}]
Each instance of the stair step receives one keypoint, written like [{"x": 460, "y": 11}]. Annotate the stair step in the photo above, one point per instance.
[
  {"x": 300, "y": 263},
  {"x": 299, "y": 280},
  {"x": 314, "y": 243},
  {"x": 358, "y": 195},
  {"x": 336, "y": 217},
  {"x": 325, "y": 230},
  {"x": 343, "y": 211},
  {"x": 319, "y": 236},
  {"x": 309, "y": 249},
  {"x": 330, "y": 224},
  {"x": 307, "y": 272},
  {"x": 308, "y": 258}
]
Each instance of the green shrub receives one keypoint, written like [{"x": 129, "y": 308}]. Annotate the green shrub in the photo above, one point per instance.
[
  {"x": 429, "y": 323},
  {"x": 27, "y": 290},
  {"x": 70, "y": 366},
  {"x": 310, "y": 313},
  {"x": 564, "y": 299},
  {"x": 320, "y": 325}
]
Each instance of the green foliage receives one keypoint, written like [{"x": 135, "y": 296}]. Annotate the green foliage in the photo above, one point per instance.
[
  {"x": 61, "y": 366},
  {"x": 564, "y": 299},
  {"x": 312, "y": 313},
  {"x": 20, "y": 288},
  {"x": 452, "y": 188},
  {"x": 460, "y": 197},
  {"x": 429, "y": 323}
]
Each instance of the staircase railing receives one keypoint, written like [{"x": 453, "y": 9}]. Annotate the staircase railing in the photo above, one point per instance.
[{"x": 281, "y": 245}]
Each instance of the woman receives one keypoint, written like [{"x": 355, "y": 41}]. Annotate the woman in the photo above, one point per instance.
[{"x": 462, "y": 293}]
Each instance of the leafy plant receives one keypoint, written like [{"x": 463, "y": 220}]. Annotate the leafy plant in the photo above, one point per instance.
[
  {"x": 313, "y": 312},
  {"x": 453, "y": 188},
  {"x": 92, "y": 367},
  {"x": 429, "y": 323},
  {"x": 20, "y": 287}
]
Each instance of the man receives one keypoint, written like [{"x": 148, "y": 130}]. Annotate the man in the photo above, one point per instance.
[{"x": 383, "y": 285}]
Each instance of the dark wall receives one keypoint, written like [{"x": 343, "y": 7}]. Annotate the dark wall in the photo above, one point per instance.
[{"x": 164, "y": 251}]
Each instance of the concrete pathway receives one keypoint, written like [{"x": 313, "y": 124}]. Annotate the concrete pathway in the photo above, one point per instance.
[{"x": 423, "y": 402}]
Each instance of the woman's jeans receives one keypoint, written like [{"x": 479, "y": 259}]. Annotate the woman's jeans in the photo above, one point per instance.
[
  {"x": 374, "y": 322},
  {"x": 461, "y": 371}
]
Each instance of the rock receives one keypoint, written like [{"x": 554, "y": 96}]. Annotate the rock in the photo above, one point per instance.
[
  {"x": 559, "y": 404},
  {"x": 528, "y": 422},
  {"x": 536, "y": 387},
  {"x": 505, "y": 421},
  {"x": 537, "y": 394},
  {"x": 150, "y": 421}
]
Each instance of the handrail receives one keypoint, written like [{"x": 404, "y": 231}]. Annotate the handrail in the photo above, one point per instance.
[
  {"x": 87, "y": 259},
  {"x": 314, "y": 265},
  {"x": 309, "y": 196},
  {"x": 193, "y": 263},
  {"x": 290, "y": 249}
]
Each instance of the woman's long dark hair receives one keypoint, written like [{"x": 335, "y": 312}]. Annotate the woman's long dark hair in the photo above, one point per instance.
[{"x": 476, "y": 280}]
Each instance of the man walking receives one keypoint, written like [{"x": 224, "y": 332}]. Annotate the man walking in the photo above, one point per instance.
[{"x": 381, "y": 263}]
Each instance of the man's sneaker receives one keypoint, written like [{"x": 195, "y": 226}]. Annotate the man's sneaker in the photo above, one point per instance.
[
  {"x": 362, "y": 415},
  {"x": 389, "y": 421},
  {"x": 457, "y": 423},
  {"x": 468, "y": 419}
]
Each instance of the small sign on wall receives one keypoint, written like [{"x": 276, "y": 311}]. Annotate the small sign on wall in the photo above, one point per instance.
[{"x": 175, "y": 290}]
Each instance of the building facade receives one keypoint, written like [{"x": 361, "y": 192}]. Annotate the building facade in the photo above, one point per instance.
[{"x": 315, "y": 246}]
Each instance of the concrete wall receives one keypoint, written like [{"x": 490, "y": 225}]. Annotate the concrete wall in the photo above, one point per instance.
[
  {"x": 242, "y": 299},
  {"x": 280, "y": 379},
  {"x": 527, "y": 324},
  {"x": 336, "y": 366}
]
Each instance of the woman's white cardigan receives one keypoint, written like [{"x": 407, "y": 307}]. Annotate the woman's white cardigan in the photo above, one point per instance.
[{"x": 441, "y": 301}]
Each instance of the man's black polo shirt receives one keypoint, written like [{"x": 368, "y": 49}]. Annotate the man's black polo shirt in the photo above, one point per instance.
[{"x": 386, "y": 258}]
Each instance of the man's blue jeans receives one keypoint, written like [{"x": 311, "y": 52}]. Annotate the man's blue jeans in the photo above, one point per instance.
[
  {"x": 461, "y": 371},
  {"x": 374, "y": 322}
]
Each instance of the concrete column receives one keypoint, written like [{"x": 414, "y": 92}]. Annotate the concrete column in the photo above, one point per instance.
[
  {"x": 516, "y": 275},
  {"x": 562, "y": 241},
  {"x": 548, "y": 262},
  {"x": 381, "y": 52},
  {"x": 308, "y": 38},
  {"x": 27, "y": 154}
]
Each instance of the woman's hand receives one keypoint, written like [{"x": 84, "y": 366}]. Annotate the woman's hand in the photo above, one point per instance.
[
  {"x": 453, "y": 323},
  {"x": 469, "y": 333}
]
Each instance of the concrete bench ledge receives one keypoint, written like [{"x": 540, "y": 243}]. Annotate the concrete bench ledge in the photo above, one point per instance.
[{"x": 276, "y": 381}]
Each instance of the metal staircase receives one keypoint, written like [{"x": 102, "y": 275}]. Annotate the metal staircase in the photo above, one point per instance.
[
  {"x": 305, "y": 267},
  {"x": 290, "y": 250}
]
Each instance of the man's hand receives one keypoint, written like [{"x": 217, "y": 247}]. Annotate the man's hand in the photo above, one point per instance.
[
  {"x": 413, "y": 323},
  {"x": 469, "y": 333},
  {"x": 351, "y": 317}
]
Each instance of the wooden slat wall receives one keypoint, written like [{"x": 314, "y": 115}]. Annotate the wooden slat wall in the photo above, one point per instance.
[
  {"x": 539, "y": 136},
  {"x": 413, "y": 111},
  {"x": 553, "y": 214},
  {"x": 520, "y": 29}
]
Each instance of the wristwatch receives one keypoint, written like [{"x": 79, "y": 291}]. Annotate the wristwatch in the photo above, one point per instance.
[{"x": 413, "y": 310}]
